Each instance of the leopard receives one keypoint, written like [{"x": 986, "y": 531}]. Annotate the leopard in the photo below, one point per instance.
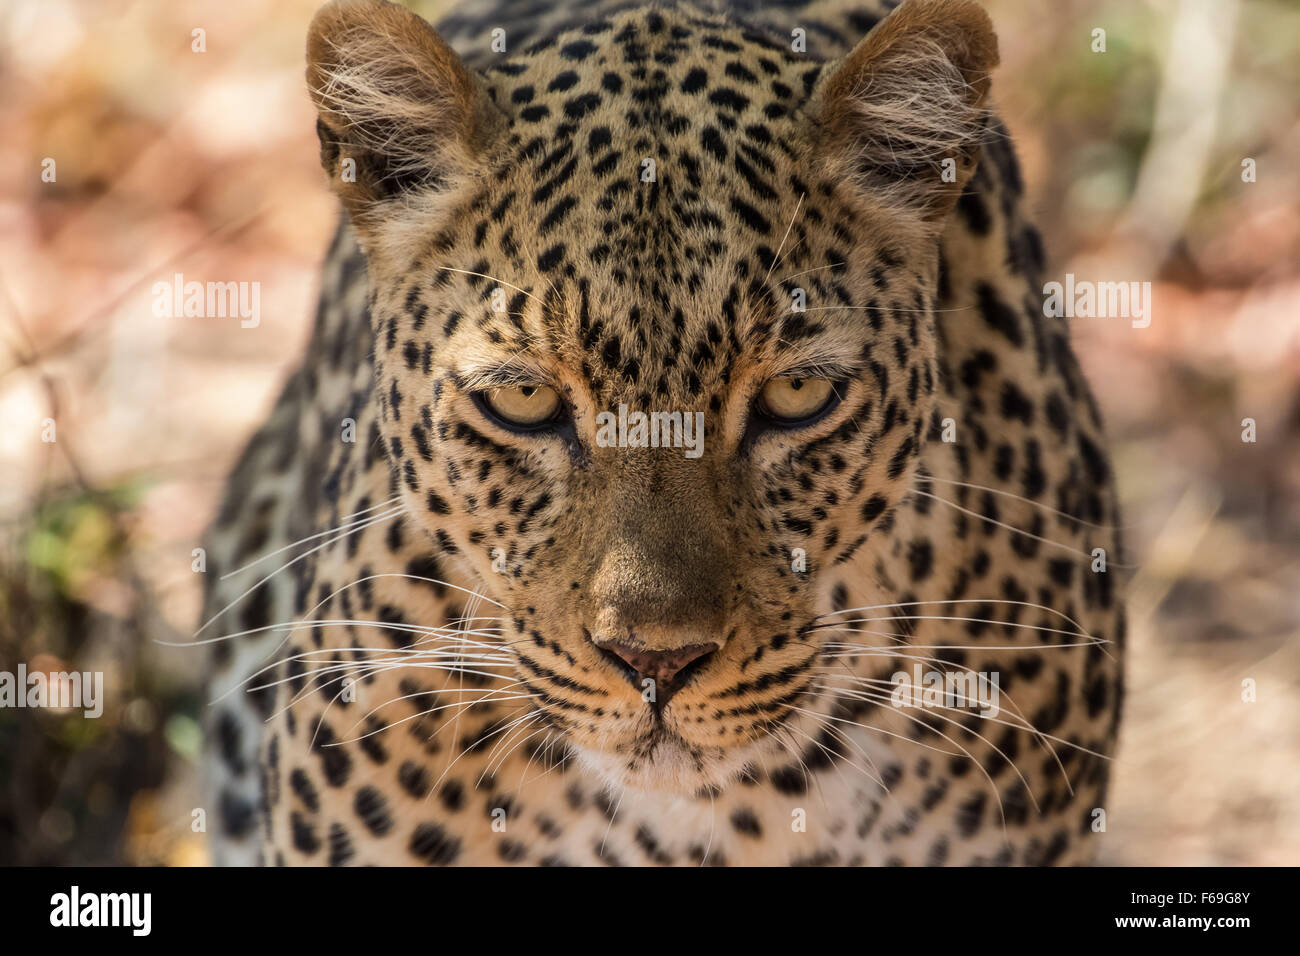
[{"x": 683, "y": 468}]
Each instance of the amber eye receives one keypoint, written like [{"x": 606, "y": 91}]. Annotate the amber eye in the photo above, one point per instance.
[
  {"x": 793, "y": 400},
  {"x": 526, "y": 406}
]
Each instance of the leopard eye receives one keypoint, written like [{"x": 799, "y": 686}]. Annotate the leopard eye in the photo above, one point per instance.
[
  {"x": 526, "y": 406},
  {"x": 791, "y": 401}
]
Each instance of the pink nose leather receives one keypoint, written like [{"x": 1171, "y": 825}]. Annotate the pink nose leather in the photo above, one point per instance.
[{"x": 660, "y": 666}]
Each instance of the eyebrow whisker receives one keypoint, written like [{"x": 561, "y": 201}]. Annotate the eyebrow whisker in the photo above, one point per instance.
[{"x": 483, "y": 275}]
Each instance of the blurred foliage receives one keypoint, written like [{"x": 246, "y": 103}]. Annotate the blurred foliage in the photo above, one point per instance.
[{"x": 67, "y": 781}]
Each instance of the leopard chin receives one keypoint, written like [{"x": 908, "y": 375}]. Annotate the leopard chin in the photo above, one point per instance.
[{"x": 662, "y": 761}]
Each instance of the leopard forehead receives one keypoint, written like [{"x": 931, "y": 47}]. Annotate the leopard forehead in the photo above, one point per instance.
[{"x": 652, "y": 220}]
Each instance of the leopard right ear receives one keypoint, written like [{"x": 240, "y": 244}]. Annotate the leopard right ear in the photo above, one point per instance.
[
  {"x": 902, "y": 116},
  {"x": 398, "y": 112}
]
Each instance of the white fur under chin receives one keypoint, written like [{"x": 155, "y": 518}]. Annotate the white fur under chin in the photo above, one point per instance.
[{"x": 670, "y": 770}]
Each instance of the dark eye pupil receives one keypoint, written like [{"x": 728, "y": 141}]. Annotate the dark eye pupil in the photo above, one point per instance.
[
  {"x": 796, "y": 383},
  {"x": 528, "y": 391}
]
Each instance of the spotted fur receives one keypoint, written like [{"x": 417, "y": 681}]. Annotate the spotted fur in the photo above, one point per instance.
[{"x": 945, "y": 512}]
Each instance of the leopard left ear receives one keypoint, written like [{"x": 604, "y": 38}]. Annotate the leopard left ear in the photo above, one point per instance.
[
  {"x": 910, "y": 96},
  {"x": 397, "y": 109}
]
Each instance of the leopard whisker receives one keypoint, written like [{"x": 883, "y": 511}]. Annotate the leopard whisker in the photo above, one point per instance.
[
  {"x": 881, "y": 308},
  {"x": 373, "y": 711},
  {"x": 484, "y": 275},
  {"x": 491, "y": 763},
  {"x": 885, "y": 607},
  {"x": 418, "y": 577},
  {"x": 486, "y": 648},
  {"x": 843, "y": 669},
  {"x": 793, "y": 216},
  {"x": 342, "y": 622},
  {"x": 618, "y": 805},
  {"x": 713, "y": 820},
  {"x": 320, "y": 534},
  {"x": 423, "y": 713},
  {"x": 903, "y": 645},
  {"x": 355, "y": 666},
  {"x": 831, "y": 625},
  {"x": 488, "y": 694},
  {"x": 1045, "y": 740},
  {"x": 544, "y": 750},
  {"x": 881, "y": 730},
  {"x": 833, "y": 265},
  {"x": 462, "y": 751},
  {"x": 886, "y": 685},
  {"x": 1002, "y": 524},
  {"x": 1029, "y": 501},
  {"x": 361, "y": 526},
  {"x": 874, "y": 773},
  {"x": 881, "y": 698},
  {"x": 832, "y": 755},
  {"x": 808, "y": 775},
  {"x": 323, "y": 686},
  {"x": 969, "y": 755}
]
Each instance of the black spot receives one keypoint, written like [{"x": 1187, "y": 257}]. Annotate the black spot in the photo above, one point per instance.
[
  {"x": 578, "y": 50},
  {"x": 729, "y": 98},
  {"x": 452, "y": 795},
  {"x": 335, "y": 762},
  {"x": 306, "y": 791},
  {"x": 791, "y": 781},
  {"x": 372, "y": 808},
  {"x": 745, "y": 822},
  {"x": 1094, "y": 460},
  {"x": 341, "y": 850},
  {"x": 973, "y": 209},
  {"x": 431, "y": 843},
  {"x": 750, "y": 216},
  {"x": 511, "y": 851},
  {"x": 998, "y": 315},
  {"x": 695, "y": 81},
  {"x": 563, "y": 81},
  {"x": 237, "y": 815},
  {"x": 552, "y": 257},
  {"x": 304, "y": 833},
  {"x": 969, "y": 814},
  {"x": 414, "y": 779},
  {"x": 229, "y": 737},
  {"x": 1016, "y": 404},
  {"x": 920, "y": 558},
  {"x": 712, "y": 140},
  {"x": 1061, "y": 571},
  {"x": 580, "y": 106},
  {"x": 599, "y": 138}
]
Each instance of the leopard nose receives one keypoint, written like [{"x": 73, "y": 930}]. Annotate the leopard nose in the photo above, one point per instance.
[{"x": 668, "y": 669}]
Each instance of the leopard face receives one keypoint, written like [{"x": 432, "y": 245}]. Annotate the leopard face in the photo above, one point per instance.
[{"x": 654, "y": 214}]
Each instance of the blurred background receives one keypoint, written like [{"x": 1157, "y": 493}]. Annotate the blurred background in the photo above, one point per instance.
[{"x": 195, "y": 153}]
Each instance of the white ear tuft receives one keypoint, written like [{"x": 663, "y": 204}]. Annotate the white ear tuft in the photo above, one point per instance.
[
  {"x": 908, "y": 97},
  {"x": 398, "y": 110}
]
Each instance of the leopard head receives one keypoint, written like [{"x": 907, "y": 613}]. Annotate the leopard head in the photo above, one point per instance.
[{"x": 654, "y": 338}]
